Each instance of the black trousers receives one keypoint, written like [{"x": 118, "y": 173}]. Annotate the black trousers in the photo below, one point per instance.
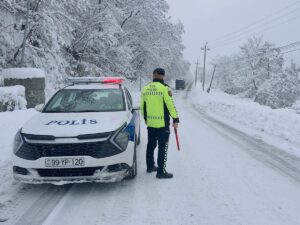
[{"x": 158, "y": 136}]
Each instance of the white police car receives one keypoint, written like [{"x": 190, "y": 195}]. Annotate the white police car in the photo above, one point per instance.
[{"x": 86, "y": 132}]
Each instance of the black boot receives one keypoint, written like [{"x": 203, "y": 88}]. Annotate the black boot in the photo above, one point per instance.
[
  {"x": 164, "y": 175},
  {"x": 152, "y": 169}
]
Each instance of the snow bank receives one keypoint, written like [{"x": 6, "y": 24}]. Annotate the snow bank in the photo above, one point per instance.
[
  {"x": 12, "y": 98},
  {"x": 282, "y": 123},
  {"x": 11, "y": 122},
  {"x": 32, "y": 79},
  {"x": 296, "y": 106},
  {"x": 22, "y": 73}
]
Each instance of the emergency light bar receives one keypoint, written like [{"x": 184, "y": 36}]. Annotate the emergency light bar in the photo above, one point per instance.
[{"x": 101, "y": 80}]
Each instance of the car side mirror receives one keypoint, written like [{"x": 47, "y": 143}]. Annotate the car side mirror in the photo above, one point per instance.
[
  {"x": 136, "y": 108},
  {"x": 39, "y": 107}
]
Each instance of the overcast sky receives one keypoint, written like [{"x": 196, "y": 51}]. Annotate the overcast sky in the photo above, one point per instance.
[{"x": 209, "y": 20}]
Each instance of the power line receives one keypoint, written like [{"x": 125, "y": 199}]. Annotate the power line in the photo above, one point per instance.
[
  {"x": 254, "y": 56},
  {"x": 292, "y": 45},
  {"x": 260, "y": 31},
  {"x": 262, "y": 28},
  {"x": 256, "y": 23},
  {"x": 295, "y": 50}
]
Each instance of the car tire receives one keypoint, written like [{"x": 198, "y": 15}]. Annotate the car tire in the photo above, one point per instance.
[{"x": 133, "y": 171}]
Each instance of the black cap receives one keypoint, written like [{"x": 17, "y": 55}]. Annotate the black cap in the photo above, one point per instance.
[{"x": 159, "y": 71}]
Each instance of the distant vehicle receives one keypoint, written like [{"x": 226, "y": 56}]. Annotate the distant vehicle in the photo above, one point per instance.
[
  {"x": 87, "y": 132},
  {"x": 180, "y": 84}
]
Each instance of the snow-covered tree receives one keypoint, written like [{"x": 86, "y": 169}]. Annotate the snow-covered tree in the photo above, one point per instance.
[
  {"x": 258, "y": 71},
  {"x": 261, "y": 59},
  {"x": 232, "y": 74},
  {"x": 92, "y": 37},
  {"x": 281, "y": 90}
]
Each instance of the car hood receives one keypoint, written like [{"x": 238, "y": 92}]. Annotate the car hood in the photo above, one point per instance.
[{"x": 74, "y": 124}]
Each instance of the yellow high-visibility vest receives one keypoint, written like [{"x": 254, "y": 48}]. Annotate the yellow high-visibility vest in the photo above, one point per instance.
[{"x": 157, "y": 105}]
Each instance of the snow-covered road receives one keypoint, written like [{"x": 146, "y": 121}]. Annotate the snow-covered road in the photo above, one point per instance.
[{"x": 222, "y": 177}]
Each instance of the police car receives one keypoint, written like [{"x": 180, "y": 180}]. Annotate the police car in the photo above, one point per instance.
[{"x": 87, "y": 132}]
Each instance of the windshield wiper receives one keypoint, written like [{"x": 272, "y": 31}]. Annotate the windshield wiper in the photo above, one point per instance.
[
  {"x": 88, "y": 111},
  {"x": 83, "y": 111},
  {"x": 55, "y": 111}
]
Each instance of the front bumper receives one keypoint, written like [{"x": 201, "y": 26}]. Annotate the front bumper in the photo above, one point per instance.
[
  {"x": 107, "y": 174},
  {"x": 105, "y": 170}
]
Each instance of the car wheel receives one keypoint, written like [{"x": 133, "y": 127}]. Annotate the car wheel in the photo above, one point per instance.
[{"x": 133, "y": 170}]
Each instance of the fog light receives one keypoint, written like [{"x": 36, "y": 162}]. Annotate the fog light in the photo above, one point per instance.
[
  {"x": 20, "y": 170},
  {"x": 117, "y": 167}
]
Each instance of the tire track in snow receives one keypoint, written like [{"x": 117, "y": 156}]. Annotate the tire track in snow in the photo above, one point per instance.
[
  {"x": 123, "y": 203},
  {"x": 43, "y": 206},
  {"x": 110, "y": 204},
  {"x": 272, "y": 156},
  {"x": 254, "y": 186},
  {"x": 269, "y": 155}
]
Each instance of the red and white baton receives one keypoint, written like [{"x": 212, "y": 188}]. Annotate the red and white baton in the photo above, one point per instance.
[{"x": 177, "y": 138}]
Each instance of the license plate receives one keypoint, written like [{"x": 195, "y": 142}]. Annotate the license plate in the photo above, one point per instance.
[{"x": 64, "y": 162}]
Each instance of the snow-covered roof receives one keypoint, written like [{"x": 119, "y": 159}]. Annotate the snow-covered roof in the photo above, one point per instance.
[{"x": 22, "y": 73}]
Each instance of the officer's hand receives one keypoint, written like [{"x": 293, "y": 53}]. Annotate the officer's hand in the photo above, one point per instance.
[{"x": 175, "y": 125}]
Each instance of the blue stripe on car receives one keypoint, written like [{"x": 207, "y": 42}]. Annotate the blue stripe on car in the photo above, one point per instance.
[{"x": 130, "y": 129}]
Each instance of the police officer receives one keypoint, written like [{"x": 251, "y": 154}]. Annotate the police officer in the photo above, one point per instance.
[{"x": 157, "y": 106}]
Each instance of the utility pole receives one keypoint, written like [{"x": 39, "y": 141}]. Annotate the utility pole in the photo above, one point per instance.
[
  {"x": 25, "y": 34},
  {"x": 205, "y": 49},
  {"x": 212, "y": 78},
  {"x": 196, "y": 74}
]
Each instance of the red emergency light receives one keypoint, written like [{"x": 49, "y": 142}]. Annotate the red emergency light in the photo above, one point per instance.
[
  {"x": 101, "y": 80},
  {"x": 113, "y": 80}
]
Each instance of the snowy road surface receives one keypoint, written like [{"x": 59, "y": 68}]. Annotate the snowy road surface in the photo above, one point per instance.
[{"x": 222, "y": 177}]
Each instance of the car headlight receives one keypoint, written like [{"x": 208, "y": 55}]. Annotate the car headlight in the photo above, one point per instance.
[
  {"x": 122, "y": 139},
  {"x": 18, "y": 141}
]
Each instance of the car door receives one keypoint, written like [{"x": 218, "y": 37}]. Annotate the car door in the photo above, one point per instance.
[{"x": 135, "y": 113}]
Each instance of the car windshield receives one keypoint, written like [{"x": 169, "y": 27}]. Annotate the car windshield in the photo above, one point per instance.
[
  {"x": 72, "y": 100},
  {"x": 180, "y": 81}
]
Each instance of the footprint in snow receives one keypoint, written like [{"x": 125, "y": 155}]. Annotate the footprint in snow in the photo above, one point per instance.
[{"x": 3, "y": 220}]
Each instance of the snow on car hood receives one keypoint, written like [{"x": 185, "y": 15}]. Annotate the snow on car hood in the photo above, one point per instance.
[{"x": 74, "y": 124}]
